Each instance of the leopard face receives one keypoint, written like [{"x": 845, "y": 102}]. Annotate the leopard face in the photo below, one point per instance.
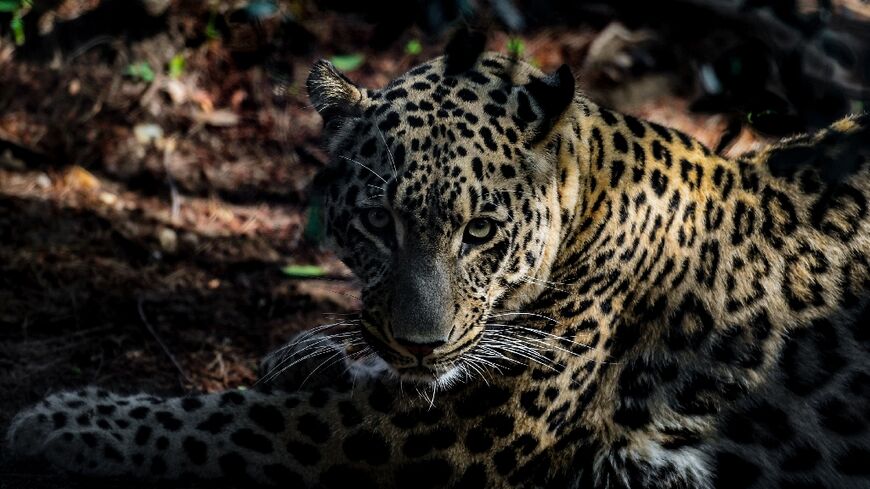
[{"x": 438, "y": 204}]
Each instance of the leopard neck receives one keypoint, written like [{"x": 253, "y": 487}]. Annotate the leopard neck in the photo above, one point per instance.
[{"x": 647, "y": 215}]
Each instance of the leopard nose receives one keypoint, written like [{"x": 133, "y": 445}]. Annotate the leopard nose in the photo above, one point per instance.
[{"x": 419, "y": 350}]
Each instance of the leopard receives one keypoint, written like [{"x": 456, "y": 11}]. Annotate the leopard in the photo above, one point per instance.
[{"x": 555, "y": 294}]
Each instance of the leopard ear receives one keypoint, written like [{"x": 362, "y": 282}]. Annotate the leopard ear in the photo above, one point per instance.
[
  {"x": 334, "y": 96},
  {"x": 463, "y": 50},
  {"x": 542, "y": 101}
]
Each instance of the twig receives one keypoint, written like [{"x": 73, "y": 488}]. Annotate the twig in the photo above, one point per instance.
[
  {"x": 160, "y": 342},
  {"x": 175, "y": 205}
]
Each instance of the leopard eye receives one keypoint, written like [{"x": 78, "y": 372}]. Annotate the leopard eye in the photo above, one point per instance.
[
  {"x": 377, "y": 219},
  {"x": 478, "y": 230}
]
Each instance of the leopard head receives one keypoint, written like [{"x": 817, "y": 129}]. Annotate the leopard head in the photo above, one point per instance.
[{"x": 441, "y": 195}]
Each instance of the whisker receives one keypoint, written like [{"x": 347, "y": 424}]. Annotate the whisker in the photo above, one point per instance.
[
  {"x": 389, "y": 153},
  {"x": 546, "y": 281},
  {"x": 541, "y": 284},
  {"x": 367, "y": 168},
  {"x": 542, "y": 333},
  {"x": 338, "y": 356},
  {"x": 517, "y": 313}
]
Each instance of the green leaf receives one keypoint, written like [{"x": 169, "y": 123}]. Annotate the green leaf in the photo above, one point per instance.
[
  {"x": 414, "y": 47},
  {"x": 10, "y": 5},
  {"x": 211, "y": 30},
  {"x": 303, "y": 271},
  {"x": 176, "y": 66},
  {"x": 516, "y": 46},
  {"x": 348, "y": 62},
  {"x": 141, "y": 70},
  {"x": 17, "y": 26}
]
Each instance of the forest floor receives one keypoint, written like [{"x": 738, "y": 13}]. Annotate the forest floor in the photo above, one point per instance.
[{"x": 145, "y": 219}]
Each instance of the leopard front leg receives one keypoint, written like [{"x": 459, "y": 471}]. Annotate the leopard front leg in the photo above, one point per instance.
[
  {"x": 369, "y": 437},
  {"x": 237, "y": 435}
]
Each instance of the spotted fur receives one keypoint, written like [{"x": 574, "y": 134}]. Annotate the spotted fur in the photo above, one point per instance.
[{"x": 642, "y": 313}]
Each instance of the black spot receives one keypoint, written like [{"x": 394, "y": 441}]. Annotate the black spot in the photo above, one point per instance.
[
  {"x": 105, "y": 409},
  {"x": 854, "y": 461},
  {"x": 763, "y": 424},
  {"x": 635, "y": 126},
  {"x": 312, "y": 427},
  {"x": 196, "y": 450},
  {"x": 608, "y": 117},
  {"x": 158, "y": 465},
  {"x": 617, "y": 168},
  {"x": 780, "y": 217},
  {"x": 662, "y": 131},
  {"x": 478, "y": 440},
  {"x": 342, "y": 477},
  {"x": 391, "y": 121},
  {"x": 434, "y": 473},
  {"x": 233, "y": 465},
  {"x": 350, "y": 416},
  {"x": 473, "y": 478},
  {"x": 499, "y": 424},
  {"x": 231, "y": 397},
  {"x": 811, "y": 357},
  {"x": 246, "y": 438},
  {"x": 162, "y": 443},
  {"x": 112, "y": 453},
  {"x": 396, "y": 93},
  {"x": 59, "y": 420},
  {"x": 620, "y": 143},
  {"x": 505, "y": 460},
  {"x": 494, "y": 110},
  {"x": 840, "y": 417},
  {"x": 269, "y": 418},
  {"x": 168, "y": 420},
  {"x": 139, "y": 412},
  {"x": 708, "y": 263},
  {"x": 142, "y": 435},
  {"x": 467, "y": 95},
  {"x": 734, "y": 472},
  {"x": 508, "y": 171},
  {"x": 190, "y": 404},
  {"x": 659, "y": 152},
  {"x": 215, "y": 423},
  {"x": 481, "y": 401},
  {"x": 659, "y": 182},
  {"x": 486, "y": 134},
  {"x": 524, "y": 108},
  {"x": 283, "y": 476},
  {"x": 366, "y": 446},
  {"x": 632, "y": 415},
  {"x": 304, "y": 453},
  {"x": 89, "y": 439},
  {"x": 369, "y": 147},
  {"x": 417, "y": 445},
  {"x": 801, "y": 458},
  {"x": 839, "y": 212}
]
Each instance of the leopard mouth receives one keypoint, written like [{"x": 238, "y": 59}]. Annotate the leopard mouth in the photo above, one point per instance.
[{"x": 439, "y": 366}]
